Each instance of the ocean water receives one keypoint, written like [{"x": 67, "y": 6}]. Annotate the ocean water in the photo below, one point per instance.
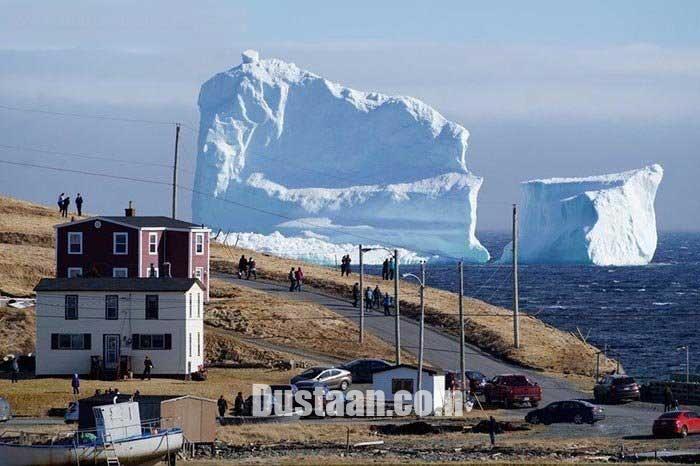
[{"x": 640, "y": 314}]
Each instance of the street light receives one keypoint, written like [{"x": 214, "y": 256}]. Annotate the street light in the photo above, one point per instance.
[
  {"x": 687, "y": 361},
  {"x": 421, "y": 281}
]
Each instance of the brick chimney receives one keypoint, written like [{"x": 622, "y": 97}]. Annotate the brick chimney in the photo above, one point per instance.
[{"x": 129, "y": 211}]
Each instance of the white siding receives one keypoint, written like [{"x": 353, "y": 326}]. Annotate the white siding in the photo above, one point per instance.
[{"x": 433, "y": 383}]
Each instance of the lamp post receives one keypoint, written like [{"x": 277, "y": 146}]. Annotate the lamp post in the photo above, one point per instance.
[
  {"x": 421, "y": 281},
  {"x": 687, "y": 361}
]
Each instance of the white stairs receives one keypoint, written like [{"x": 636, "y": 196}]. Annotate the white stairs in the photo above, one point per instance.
[{"x": 110, "y": 452}]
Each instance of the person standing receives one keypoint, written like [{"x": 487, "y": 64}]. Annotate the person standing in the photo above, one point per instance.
[
  {"x": 61, "y": 197},
  {"x": 292, "y": 280},
  {"x": 15, "y": 370},
  {"x": 223, "y": 406},
  {"x": 66, "y": 204},
  {"x": 392, "y": 269},
  {"x": 348, "y": 267},
  {"x": 385, "y": 269},
  {"x": 75, "y": 384},
  {"x": 79, "y": 204},
  {"x": 368, "y": 298},
  {"x": 242, "y": 267},
  {"x": 376, "y": 297},
  {"x": 147, "y": 367},
  {"x": 299, "y": 277},
  {"x": 355, "y": 294},
  {"x": 251, "y": 269},
  {"x": 342, "y": 266},
  {"x": 238, "y": 404},
  {"x": 668, "y": 399},
  {"x": 387, "y": 304},
  {"x": 492, "y": 431}
]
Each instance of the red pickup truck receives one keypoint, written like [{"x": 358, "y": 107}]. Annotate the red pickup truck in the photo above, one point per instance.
[{"x": 511, "y": 389}]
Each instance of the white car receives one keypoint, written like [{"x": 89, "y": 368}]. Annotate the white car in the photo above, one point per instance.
[{"x": 72, "y": 413}]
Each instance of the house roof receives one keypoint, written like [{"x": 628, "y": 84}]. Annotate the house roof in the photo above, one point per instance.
[
  {"x": 140, "y": 222},
  {"x": 116, "y": 284},
  {"x": 409, "y": 366}
]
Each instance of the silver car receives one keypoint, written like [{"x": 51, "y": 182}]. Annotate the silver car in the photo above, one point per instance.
[{"x": 332, "y": 377}]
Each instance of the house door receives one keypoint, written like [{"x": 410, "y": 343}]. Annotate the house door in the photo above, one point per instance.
[{"x": 111, "y": 351}]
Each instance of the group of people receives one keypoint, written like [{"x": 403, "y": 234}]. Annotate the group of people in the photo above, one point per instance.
[
  {"x": 374, "y": 299},
  {"x": 388, "y": 269},
  {"x": 296, "y": 279},
  {"x": 345, "y": 268},
  {"x": 246, "y": 268},
  {"x": 64, "y": 203},
  {"x": 238, "y": 405}
]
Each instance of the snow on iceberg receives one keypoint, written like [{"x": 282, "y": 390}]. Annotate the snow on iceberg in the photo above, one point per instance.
[
  {"x": 601, "y": 220},
  {"x": 313, "y": 248},
  {"x": 279, "y": 145}
]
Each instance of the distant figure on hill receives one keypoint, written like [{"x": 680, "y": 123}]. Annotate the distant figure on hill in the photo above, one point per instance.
[
  {"x": 242, "y": 267},
  {"x": 368, "y": 298},
  {"x": 348, "y": 267},
  {"x": 376, "y": 297},
  {"x": 147, "y": 367},
  {"x": 79, "y": 204},
  {"x": 251, "y": 270},
  {"x": 299, "y": 277},
  {"x": 385, "y": 269},
  {"x": 15, "y": 370},
  {"x": 75, "y": 384},
  {"x": 238, "y": 405},
  {"x": 61, "y": 197},
  {"x": 492, "y": 431},
  {"x": 343, "y": 263},
  {"x": 668, "y": 399},
  {"x": 392, "y": 269},
  {"x": 223, "y": 406},
  {"x": 66, "y": 203},
  {"x": 355, "y": 294},
  {"x": 292, "y": 280},
  {"x": 387, "y": 304}
]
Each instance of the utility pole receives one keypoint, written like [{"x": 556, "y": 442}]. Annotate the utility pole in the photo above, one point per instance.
[
  {"x": 177, "y": 141},
  {"x": 516, "y": 301},
  {"x": 396, "y": 307},
  {"x": 362, "y": 299},
  {"x": 420, "y": 338},
  {"x": 461, "y": 328}
]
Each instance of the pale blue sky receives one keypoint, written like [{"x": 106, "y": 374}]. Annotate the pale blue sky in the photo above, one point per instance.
[{"x": 546, "y": 88}]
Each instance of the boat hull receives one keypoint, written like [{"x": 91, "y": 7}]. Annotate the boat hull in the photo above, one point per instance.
[{"x": 148, "y": 450}]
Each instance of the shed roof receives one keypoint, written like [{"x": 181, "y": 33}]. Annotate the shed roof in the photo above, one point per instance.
[
  {"x": 116, "y": 284},
  {"x": 410, "y": 366},
  {"x": 140, "y": 221}
]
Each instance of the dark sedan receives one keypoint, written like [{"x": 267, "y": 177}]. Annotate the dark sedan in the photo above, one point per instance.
[
  {"x": 362, "y": 369},
  {"x": 477, "y": 381},
  {"x": 616, "y": 389},
  {"x": 572, "y": 411}
]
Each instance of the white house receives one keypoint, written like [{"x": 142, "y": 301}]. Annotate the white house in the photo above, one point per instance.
[
  {"x": 405, "y": 377},
  {"x": 114, "y": 323}
]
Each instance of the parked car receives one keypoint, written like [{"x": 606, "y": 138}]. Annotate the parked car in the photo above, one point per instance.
[
  {"x": 512, "y": 389},
  {"x": 5, "y": 412},
  {"x": 362, "y": 369},
  {"x": 677, "y": 423},
  {"x": 477, "y": 381},
  {"x": 333, "y": 377},
  {"x": 72, "y": 413},
  {"x": 616, "y": 389},
  {"x": 576, "y": 411}
]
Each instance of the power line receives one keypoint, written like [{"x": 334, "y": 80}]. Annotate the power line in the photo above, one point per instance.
[{"x": 87, "y": 116}]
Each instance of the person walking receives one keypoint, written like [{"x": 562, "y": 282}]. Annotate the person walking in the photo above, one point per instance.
[
  {"x": 61, "y": 197},
  {"x": 66, "y": 204},
  {"x": 387, "y": 304},
  {"x": 75, "y": 384},
  {"x": 392, "y": 269},
  {"x": 348, "y": 266},
  {"x": 376, "y": 297},
  {"x": 238, "y": 405},
  {"x": 292, "y": 280},
  {"x": 251, "y": 270},
  {"x": 222, "y": 405},
  {"x": 15, "y": 370},
  {"x": 668, "y": 399},
  {"x": 79, "y": 204},
  {"x": 385, "y": 269},
  {"x": 299, "y": 277},
  {"x": 492, "y": 431},
  {"x": 147, "y": 367},
  {"x": 342, "y": 266},
  {"x": 355, "y": 294},
  {"x": 242, "y": 267},
  {"x": 368, "y": 298}
]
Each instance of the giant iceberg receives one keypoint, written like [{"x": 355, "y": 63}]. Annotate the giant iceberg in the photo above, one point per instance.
[
  {"x": 601, "y": 220},
  {"x": 282, "y": 149}
]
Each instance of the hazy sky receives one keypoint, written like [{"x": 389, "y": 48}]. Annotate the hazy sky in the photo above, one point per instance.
[{"x": 546, "y": 88}]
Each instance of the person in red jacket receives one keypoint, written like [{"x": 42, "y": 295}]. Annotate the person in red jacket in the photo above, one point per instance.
[{"x": 299, "y": 277}]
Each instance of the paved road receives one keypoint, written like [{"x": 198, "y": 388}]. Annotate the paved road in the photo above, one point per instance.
[{"x": 442, "y": 351}]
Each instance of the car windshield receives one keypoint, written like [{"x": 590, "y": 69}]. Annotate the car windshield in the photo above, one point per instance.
[
  {"x": 623, "y": 381},
  {"x": 474, "y": 375},
  {"x": 515, "y": 380},
  {"x": 313, "y": 372}
]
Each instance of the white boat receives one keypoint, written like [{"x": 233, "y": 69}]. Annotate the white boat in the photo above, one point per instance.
[{"x": 119, "y": 438}]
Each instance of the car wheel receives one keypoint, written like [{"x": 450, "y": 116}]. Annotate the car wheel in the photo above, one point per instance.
[
  {"x": 534, "y": 419},
  {"x": 578, "y": 419},
  {"x": 344, "y": 385},
  {"x": 684, "y": 431}
]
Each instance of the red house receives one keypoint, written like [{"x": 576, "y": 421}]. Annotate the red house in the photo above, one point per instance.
[{"x": 133, "y": 246}]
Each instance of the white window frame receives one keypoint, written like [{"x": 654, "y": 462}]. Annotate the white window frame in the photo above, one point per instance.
[
  {"x": 189, "y": 303},
  {"x": 199, "y": 305},
  {"x": 200, "y": 271},
  {"x": 74, "y": 269},
  {"x": 199, "y": 344},
  {"x": 153, "y": 241},
  {"x": 198, "y": 243},
  {"x": 119, "y": 269},
  {"x": 79, "y": 234},
  {"x": 114, "y": 243}
]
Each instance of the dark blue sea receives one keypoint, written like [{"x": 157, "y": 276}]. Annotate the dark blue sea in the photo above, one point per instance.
[{"x": 640, "y": 314}]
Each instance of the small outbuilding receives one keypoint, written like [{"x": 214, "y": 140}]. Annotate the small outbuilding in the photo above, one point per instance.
[{"x": 404, "y": 377}]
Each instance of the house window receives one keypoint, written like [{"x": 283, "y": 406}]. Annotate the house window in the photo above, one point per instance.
[
  {"x": 156, "y": 341},
  {"x": 189, "y": 297},
  {"x": 153, "y": 243},
  {"x": 75, "y": 242},
  {"x": 121, "y": 243},
  {"x": 71, "y": 307},
  {"x": 199, "y": 243},
  {"x": 198, "y": 273},
  {"x": 401, "y": 384},
  {"x": 111, "y": 307},
  {"x": 71, "y": 341},
  {"x": 74, "y": 272},
  {"x": 120, "y": 272},
  {"x": 151, "y": 307},
  {"x": 199, "y": 305},
  {"x": 199, "y": 344}
]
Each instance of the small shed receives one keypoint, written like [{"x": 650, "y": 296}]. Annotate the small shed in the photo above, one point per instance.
[
  {"x": 196, "y": 416},
  {"x": 404, "y": 377}
]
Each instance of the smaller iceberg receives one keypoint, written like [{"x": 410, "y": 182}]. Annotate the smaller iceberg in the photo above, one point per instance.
[{"x": 604, "y": 220}]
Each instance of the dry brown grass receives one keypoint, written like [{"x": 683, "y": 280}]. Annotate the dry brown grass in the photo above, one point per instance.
[
  {"x": 488, "y": 327},
  {"x": 17, "y": 331}
]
